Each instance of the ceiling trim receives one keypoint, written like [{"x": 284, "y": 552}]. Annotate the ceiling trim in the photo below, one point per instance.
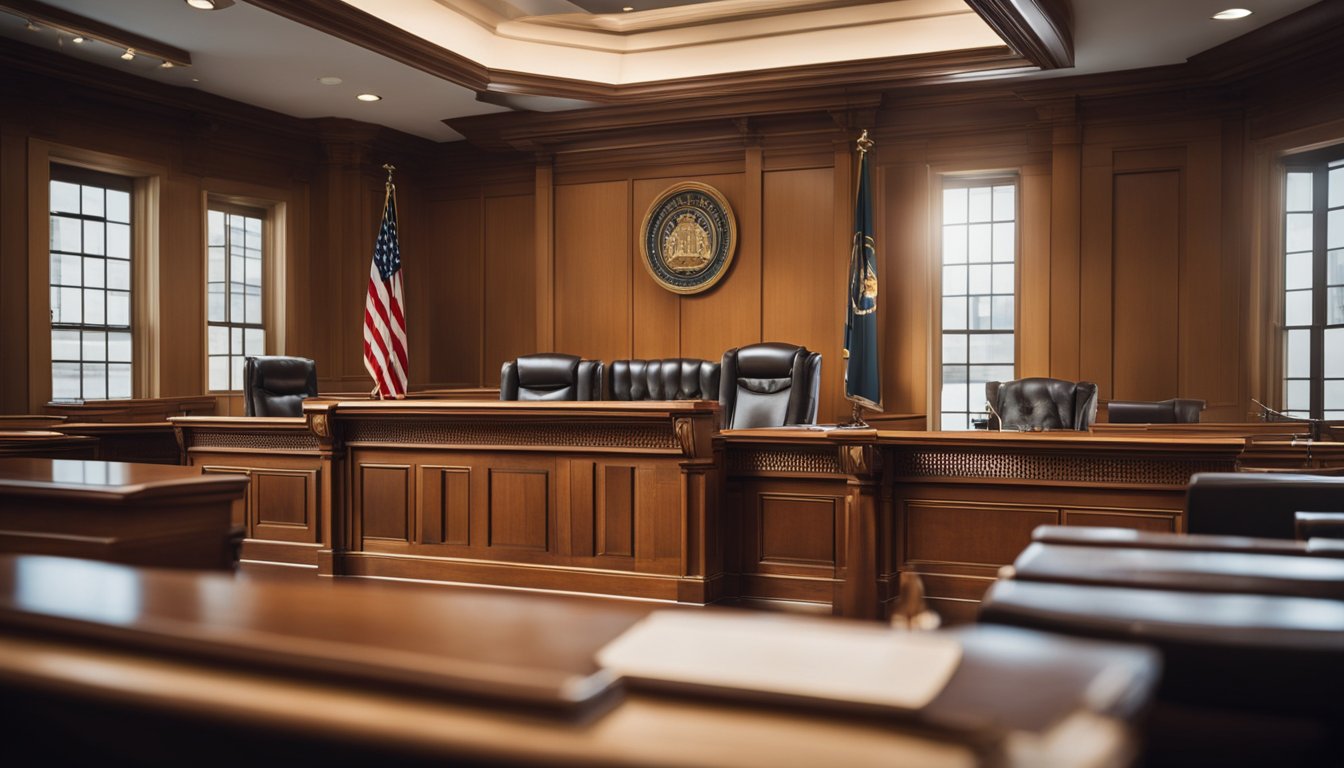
[
  {"x": 352, "y": 25},
  {"x": 348, "y": 23},
  {"x": 1040, "y": 30},
  {"x": 871, "y": 74}
]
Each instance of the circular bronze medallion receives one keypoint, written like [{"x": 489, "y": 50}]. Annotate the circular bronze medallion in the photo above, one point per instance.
[{"x": 688, "y": 237}]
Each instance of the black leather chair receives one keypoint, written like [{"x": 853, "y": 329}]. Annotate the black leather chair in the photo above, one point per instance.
[
  {"x": 1177, "y": 410},
  {"x": 1257, "y": 503},
  {"x": 769, "y": 385},
  {"x": 1039, "y": 403},
  {"x": 550, "y": 376},
  {"x": 276, "y": 385},
  {"x": 674, "y": 378}
]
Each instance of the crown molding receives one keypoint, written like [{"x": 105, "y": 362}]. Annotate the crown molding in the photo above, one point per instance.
[{"x": 1040, "y": 30}]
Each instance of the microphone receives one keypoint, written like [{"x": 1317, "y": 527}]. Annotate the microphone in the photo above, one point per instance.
[
  {"x": 1313, "y": 425},
  {"x": 997, "y": 419}
]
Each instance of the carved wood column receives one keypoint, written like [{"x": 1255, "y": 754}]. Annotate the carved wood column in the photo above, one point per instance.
[
  {"x": 702, "y": 527},
  {"x": 859, "y": 597},
  {"x": 337, "y": 527}
]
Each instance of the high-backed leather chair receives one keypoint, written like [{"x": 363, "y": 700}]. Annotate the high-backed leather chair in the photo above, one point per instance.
[
  {"x": 1177, "y": 410},
  {"x": 674, "y": 378},
  {"x": 1041, "y": 403},
  {"x": 550, "y": 376},
  {"x": 769, "y": 385},
  {"x": 276, "y": 385}
]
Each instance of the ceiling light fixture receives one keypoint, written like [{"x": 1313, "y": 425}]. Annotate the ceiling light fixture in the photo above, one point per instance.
[
  {"x": 628, "y": 8},
  {"x": 369, "y": 97},
  {"x": 166, "y": 65},
  {"x": 209, "y": 5},
  {"x": 81, "y": 28},
  {"x": 77, "y": 39},
  {"x": 1232, "y": 13},
  {"x": 330, "y": 80}
]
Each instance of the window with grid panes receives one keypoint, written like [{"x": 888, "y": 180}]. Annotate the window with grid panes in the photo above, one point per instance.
[
  {"x": 979, "y": 288},
  {"x": 1313, "y": 285},
  {"x": 235, "y": 327},
  {"x": 91, "y": 317}
]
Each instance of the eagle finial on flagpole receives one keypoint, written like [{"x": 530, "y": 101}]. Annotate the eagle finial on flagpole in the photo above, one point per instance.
[
  {"x": 864, "y": 143},
  {"x": 390, "y": 168}
]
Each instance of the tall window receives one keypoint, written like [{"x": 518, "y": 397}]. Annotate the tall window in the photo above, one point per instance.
[
  {"x": 979, "y": 287},
  {"x": 90, "y": 285},
  {"x": 1313, "y": 283},
  {"x": 234, "y": 275}
]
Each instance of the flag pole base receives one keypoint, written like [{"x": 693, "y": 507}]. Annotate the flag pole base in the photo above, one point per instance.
[{"x": 855, "y": 420}]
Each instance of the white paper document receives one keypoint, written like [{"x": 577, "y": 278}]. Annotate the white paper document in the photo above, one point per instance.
[{"x": 790, "y": 656}]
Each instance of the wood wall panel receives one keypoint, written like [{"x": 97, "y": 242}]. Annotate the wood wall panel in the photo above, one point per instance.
[
  {"x": 1146, "y": 287},
  {"x": 729, "y": 314},
  {"x": 657, "y": 311},
  {"x": 445, "y": 505},
  {"x": 616, "y": 511},
  {"x": 968, "y": 533},
  {"x": 14, "y": 265},
  {"x": 592, "y": 270},
  {"x": 905, "y": 289},
  {"x": 457, "y": 289},
  {"x": 802, "y": 275},
  {"x": 181, "y": 347},
  {"x": 519, "y": 509},
  {"x": 510, "y": 326},
  {"x": 797, "y": 530},
  {"x": 385, "y": 501}
]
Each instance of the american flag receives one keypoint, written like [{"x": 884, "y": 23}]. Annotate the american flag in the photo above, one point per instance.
[{"x": 384, "y": 317}]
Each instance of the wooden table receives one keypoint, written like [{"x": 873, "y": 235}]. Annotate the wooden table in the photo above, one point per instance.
[
  {"x": 145, "y": 514},
  {"x": 174, "y": 668},
  {"x": 46, "y": 443}
]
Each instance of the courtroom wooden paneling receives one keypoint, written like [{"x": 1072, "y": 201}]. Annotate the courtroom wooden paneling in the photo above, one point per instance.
[
  {"x": 286, "y": 512},
  {"x": 510, "y": 309},
  {"x": 617, "y": 499},
  {"x": 593, "y": 270},
  {"x": 1146, "y": 268},
  {"x": 802, "y": 274}
]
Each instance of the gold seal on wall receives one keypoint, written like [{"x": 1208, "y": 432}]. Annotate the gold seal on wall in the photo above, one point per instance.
[{"x": 688, "y": 237}]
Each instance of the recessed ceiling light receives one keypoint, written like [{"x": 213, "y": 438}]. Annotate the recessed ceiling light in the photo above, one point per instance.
[
  {"x": 369, "y": 97},
  {"x": 628, "y": 8},
  {"x": 77, "y": 39},
  {"x": 209, "y": 5},
  {"x": 166, "y": 64},
  {"x": 1232, "y": 13},
  {"x": 329, "y": 80},
  {"x": 129, "y": 54}
]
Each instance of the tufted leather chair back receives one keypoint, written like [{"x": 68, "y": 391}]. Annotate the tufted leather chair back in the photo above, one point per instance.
[
  {"x": 550, "y": 376},
  {"x": 1177, "y": 410},
  {"x": 769, "y": 385},
  {"x": 276, "y": 385},
  {"x": 674, "y": 378},
  {"x": 1042, "y": 403}
]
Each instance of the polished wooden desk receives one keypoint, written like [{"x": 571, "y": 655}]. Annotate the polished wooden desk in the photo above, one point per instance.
[
  {"x": 611, "y": 497},
  {"x": 833, "y": 516},
  {"x": 173, "y": 668},
  {"x": 46, "y": 443},
  {"x": 145, "y": 514},
  {"x": 288, "y": 507}
]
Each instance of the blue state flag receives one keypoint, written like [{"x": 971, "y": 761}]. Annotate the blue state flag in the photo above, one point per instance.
[{"x": 863, "y": 384}]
